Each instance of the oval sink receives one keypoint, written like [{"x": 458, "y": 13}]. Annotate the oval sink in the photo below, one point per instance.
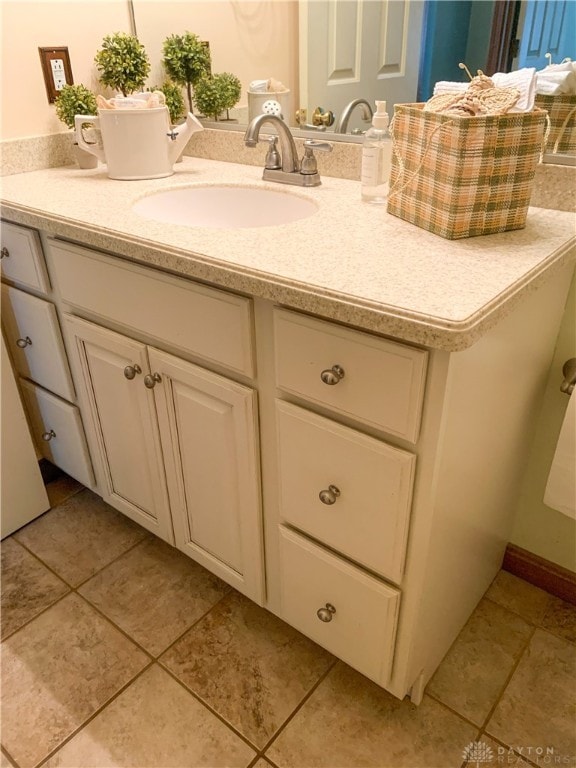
[{"x": 225, "y": 207}]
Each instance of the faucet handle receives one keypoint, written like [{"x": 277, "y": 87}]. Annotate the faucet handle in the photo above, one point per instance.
[
  {"x": 273, "y": 160},
  {"x": 309, "y": 164},
  {"x": 321, "y": 146}
]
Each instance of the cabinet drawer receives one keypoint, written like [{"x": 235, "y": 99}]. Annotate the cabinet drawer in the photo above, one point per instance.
[
  {"x": 213, "y": 324},
  {"x": 22, "y": 258},
  {"x": 366, "y": 487},
  {"x": 383, "y": 381},
  {"x": 58, "y": 432},
  {"x": 361, "y": 631},
  {"x": 35, "y": 341}
]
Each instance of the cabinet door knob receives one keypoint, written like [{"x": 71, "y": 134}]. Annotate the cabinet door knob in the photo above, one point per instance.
[
  {"x": 326, "y": 614},
  {"x": 131, "y": 370},
  {"x": 151, "y": 379},
  {"x": 329, "y": 495},
  {"x": 23, "y": 343},
  {"x": 47, "y": 436},
  {"x": 4, "y": 253},
  {"x": 333, "y": 375}
]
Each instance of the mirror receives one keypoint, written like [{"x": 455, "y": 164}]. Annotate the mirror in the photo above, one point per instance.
[{"x": 317, "y": 47}]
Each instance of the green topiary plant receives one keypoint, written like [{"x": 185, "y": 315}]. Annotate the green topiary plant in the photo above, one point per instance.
[
  {"x": 186, "y": 59},
  {"x": 174, "y": 100},
  {"x": 123, "y": 63},
  {"x": 213, "y": 95},
  {"x": 74, "y": 100}
]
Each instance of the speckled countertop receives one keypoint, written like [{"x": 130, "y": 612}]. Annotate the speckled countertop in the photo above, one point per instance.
[{"x": 349, "y": 261}]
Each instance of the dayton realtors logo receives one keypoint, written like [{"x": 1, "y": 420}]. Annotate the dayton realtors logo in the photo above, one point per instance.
[{"x": 480, "y": 754}]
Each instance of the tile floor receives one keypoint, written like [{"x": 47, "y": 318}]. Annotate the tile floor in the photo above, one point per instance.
[{"x": 117, "y": 650}]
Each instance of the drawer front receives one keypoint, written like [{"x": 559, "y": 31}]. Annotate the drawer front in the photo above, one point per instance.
[
  {"x": 213, "y": 324},
  {"x": 349, "y": 491},
  {"x": 314, "y": 581},
  {"x": 22, "y": 258},
  {"x": 35, "y": 341},
  {"x": 58, "y": 432},
  {"x": 383, "y": 381}
]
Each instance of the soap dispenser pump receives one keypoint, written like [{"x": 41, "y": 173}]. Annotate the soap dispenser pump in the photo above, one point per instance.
[{"x": 377, "y": 158}]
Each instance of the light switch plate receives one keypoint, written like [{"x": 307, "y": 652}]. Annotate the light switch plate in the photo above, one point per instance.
[{"x": 57, "y": 70}]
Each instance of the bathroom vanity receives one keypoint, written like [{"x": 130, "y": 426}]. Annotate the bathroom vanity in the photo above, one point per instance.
[{"x": 332, "y": 415}]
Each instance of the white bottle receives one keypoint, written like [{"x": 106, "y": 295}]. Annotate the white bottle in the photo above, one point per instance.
[{"x": 377, "y": 158}]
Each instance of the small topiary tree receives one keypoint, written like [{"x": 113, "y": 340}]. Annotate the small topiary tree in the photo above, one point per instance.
[
  {"x": 213, "y": 95},
  {"x": 123, "y": 63},
  {"x": 74, "y": 100},
  {"x": 174, "y": 100},
  {"x": 186, "y": 59}
]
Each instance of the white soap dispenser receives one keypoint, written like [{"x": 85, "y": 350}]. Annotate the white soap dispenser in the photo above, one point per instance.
[{"x": 377, "y": 158}]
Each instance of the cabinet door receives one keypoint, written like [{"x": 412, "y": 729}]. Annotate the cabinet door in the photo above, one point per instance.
[
  {"x": 208, "y": 430},
  {"x": 124, "y": 430}
]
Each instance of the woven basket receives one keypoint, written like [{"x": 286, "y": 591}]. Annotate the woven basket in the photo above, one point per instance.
[
  {"x": 562, "y": 112},
  {"x": 463, "y": 176}
]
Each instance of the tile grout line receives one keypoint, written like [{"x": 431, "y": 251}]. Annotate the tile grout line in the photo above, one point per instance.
[{"x": 8, "y": 754}]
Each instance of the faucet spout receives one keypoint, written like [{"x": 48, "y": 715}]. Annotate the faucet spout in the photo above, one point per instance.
[
  {"x": 367, "y": 114},
  {"x": 287, "y": 145}
]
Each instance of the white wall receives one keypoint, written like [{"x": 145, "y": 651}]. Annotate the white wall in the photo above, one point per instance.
[
  {"x": 538, "y": 528},
  {"x": 26, "y": 26}
]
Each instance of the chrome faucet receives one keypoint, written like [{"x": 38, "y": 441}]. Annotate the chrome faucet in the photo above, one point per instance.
[
  {"x": 367, "y": 114},
  {"x": 283, "y": 166}
]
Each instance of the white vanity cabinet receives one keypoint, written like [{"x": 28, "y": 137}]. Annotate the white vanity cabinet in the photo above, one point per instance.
[
  {"x": 175, "y": 445},
  {"x": 34, "y": 339}
]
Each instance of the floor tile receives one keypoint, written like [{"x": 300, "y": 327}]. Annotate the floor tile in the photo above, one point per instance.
[
  {"x": 539, "y": 705},
  {"x": 5, "y": 762},
  {"x": 560, "y": 619},
  {"x": 248, "y": 665},
  {"x": 61, "y": 489},
  {"x": 28, "y": 587},
  {"x": 525, "y": 599},
  {"x": 473, "y": 673},
  {"x": 262, "y": 763},
  {"x": 350, "y": 722},
  {"x": 57, "y": 671},
  {"x": 154, "y": 593},
  {"x": 80, "y": 537},
  {"x": 154, "y": 723}
]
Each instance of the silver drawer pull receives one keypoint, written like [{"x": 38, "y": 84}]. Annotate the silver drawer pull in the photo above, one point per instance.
[
  {"x": 329, "y": 495},
  {"x": 333, "y": 375},
  {"x": 150, "y": 380},
  {"x": 47, "y": 436},
  {"x": 325, "y": 614},
  {"x": 23, "y": 343},
  {"x": 4, "y": 253},
  {"x": 131, "y": 370}
]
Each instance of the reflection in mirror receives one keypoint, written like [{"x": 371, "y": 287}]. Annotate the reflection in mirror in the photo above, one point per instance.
[{"x": 329, "y": 53}]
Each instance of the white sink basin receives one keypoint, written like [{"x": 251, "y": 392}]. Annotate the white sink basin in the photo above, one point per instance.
[{"x": 225, "y": 207}]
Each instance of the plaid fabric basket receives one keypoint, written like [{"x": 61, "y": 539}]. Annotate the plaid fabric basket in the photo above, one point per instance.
[
  {"x": 463, "y": 176},
  {"x": 562, "y": 112}
]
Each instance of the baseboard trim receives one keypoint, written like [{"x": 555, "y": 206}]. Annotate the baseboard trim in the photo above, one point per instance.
[{"x": 542, "y": 573}]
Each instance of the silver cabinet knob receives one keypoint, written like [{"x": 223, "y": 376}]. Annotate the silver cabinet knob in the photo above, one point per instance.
[
  {"x": 4, "y": 253},
  {"x": 47, "y": 436},
  {"x": 333, "y": 375},
  {"x": 326, "y": 614},
  {"x": 151, "y": 379},
  {"x": 131, "y": 370},
  {"x": 23, "y": 343},
  {"x": 329, "y": 495}
]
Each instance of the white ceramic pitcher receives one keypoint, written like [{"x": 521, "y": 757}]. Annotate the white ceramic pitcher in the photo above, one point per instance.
[{"x": 137, "y": 143}]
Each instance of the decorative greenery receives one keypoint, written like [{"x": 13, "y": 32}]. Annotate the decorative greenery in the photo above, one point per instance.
[
  {"x": 186, "y": 59},
  {"x": 174, "y": 100},
  {"x": 213, "y": 95},
  {"x": 123, "y": 63},
  {"x": 74, "y": 100}
]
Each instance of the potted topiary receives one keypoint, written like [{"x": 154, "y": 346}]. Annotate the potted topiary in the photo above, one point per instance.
[
  {"x": 186, "y": 60},
  {"x": 123, "y": 63},
  {"x": 174, "y": 101},
  {"x": 71, "y": 101},
  {"x": 216, "y": 93}
]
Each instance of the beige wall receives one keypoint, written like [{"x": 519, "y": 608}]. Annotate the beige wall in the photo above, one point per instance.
[
  {"x": 78, "y": 24},
  {"x": 251, "y": 39},
  {"x": 538, "y": 528}
]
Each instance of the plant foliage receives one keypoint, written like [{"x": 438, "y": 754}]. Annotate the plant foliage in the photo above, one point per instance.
[
  {"x": 174, "y": 100},
  {"x": 212, "y": 95},
  {"x": 74, "y": 100},
  {"x": 123, "y": 63},
  {"x": 186, "y": 59}
]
